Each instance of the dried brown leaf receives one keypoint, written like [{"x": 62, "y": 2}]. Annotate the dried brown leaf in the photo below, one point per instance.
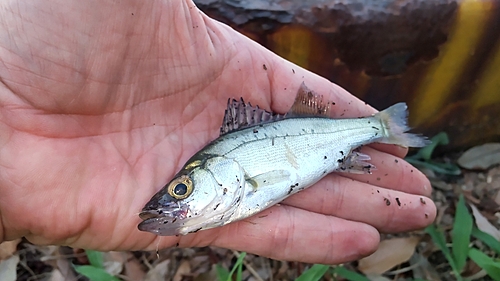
[
  {"x": 133, "y": 269},
  {"x": 483, "y": 224},
  {"x": 159, "y": 271},
  {"x": 481, "y": 156},
  {"x": 184, "y": 269},
  {"x": 390, "y": 253},
  {"x": 8, "y": 248},
  {"x": 113, "y": 262},
  {"x": 8, "y": 268},
  {"x": 424, "y": 270},
  {"x": 65, "y": 269}
]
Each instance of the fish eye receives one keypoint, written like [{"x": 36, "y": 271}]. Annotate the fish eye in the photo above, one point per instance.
[{"x": 180, "y": 187}]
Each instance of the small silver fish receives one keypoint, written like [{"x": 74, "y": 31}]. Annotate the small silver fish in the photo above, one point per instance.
[{"x": 262, "y": 158}]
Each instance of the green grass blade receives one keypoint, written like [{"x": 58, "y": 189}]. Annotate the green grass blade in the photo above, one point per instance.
[
  {"x": 442, "y": 168},
  {"x": 487, "y": 239},
  {"x": 95, "y": 273},
  {"x": 95, "y": 258},
  {"x": 222, "y": 273},
  {"x": 440, "y": 139},
  {"x": 314, "y": 273},
  {"x": 238, "y": 264},
  {"x": 488, "y": 264},
  {"x": 440, "y": 241},
  {"x": 462, "y": 228},
  {"x": 239, "y": 271},
  {"x": 349, "y": 274}
]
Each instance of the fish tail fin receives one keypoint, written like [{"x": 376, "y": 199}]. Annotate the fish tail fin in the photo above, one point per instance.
[{"x": 394, "y": 121}]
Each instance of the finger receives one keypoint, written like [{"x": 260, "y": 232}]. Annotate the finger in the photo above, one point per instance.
[
  {"x": 394, "y": 173},
  {"x": 287, "y": 233},
  {"x": 387, "y": 210},
  {"x": 393, "y": 149}
]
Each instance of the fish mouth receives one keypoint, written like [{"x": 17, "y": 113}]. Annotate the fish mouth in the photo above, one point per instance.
[{"x": 164, "y": 221}]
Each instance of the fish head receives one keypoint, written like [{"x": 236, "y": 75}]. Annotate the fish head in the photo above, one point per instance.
[{"x": 199, "y": 197}]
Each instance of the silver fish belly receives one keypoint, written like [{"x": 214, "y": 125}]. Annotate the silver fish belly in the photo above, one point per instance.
[{"x": 262, "y": 158}]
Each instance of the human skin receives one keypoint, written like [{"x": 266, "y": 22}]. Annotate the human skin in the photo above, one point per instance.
[{"x": 101, "y": 103}]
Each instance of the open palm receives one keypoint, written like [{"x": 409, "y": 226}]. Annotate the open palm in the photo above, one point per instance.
[{"x": 101, "y": 104}]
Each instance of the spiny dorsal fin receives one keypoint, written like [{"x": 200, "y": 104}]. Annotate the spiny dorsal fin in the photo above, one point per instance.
[
  {"x": 240, "y": 115},
  {"x": 308, "y": 103}
]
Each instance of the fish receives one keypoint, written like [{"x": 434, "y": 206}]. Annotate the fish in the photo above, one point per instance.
[{"x": 261, "y": 158}]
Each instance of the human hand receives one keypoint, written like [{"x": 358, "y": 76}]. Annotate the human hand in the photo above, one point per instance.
[{"x": 101, "y": 103}]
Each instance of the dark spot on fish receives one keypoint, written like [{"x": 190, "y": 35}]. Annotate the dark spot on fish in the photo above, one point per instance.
[
  {"x": 378, "y": 179},
  {"x": 387, "y": 201},
  {"x": 411, "y": 171},
  {"x": 260, "y": 125},
  {"x": 386, "y": 175},
  {"x": 312, "y": 131},
  {"x": 378, "y": 191},
  {"x": 324, "y": 172},
  {"x": 194, "y": 231},
  {"x": 274, "y": 127},
  {"x": 165, "y": 222},
  {"x": 220, "y": 184},
  {"x": 174, "y": 220},
  {"x": 373, "y": 127},
  {"x": 272, "y": 141},
  {"x": 397, "y": 201},
  {"x": 293, "y": 71},
  {"x": 342, "y": 168},
  {"x": 224, "y": 191},
  {"x": 284, "y": 89},
  {"x": 422, "y": 201},
  {"x": 324, "y": 157},
  {"x": 216, "y": 206},
  {"x": 341, "y": 160},
  {"x": 238, "y": 200},
  {"x": 426, "y": 216},
  {"x": 396, "y": 160},
  {"x": 367, "y": 166},
  {"x": 160, "y": 212},
  {"x": 369, "y": 122},
  {"x": 176, "y": 244},
  {"x": 291, "y": 189},
  {"x": 341, "y": 152},
  {"x": 255, "y": 131},
  {"x": 332, "y": 103},
  {"x": 264, "y": 66}
]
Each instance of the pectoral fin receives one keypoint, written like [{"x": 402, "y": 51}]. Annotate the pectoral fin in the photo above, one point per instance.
[{"x": 268, "y": 178}]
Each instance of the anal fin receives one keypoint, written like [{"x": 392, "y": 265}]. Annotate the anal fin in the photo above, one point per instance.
[{"x": 355, "y": 163}]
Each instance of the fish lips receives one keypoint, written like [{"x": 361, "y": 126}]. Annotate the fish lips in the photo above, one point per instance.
[{"x": 163, "y": 221}]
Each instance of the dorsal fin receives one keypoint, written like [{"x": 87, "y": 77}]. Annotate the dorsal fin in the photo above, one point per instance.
[
  {"x": 308, "y": 103},
  {"x": 240, "y": 115}
]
